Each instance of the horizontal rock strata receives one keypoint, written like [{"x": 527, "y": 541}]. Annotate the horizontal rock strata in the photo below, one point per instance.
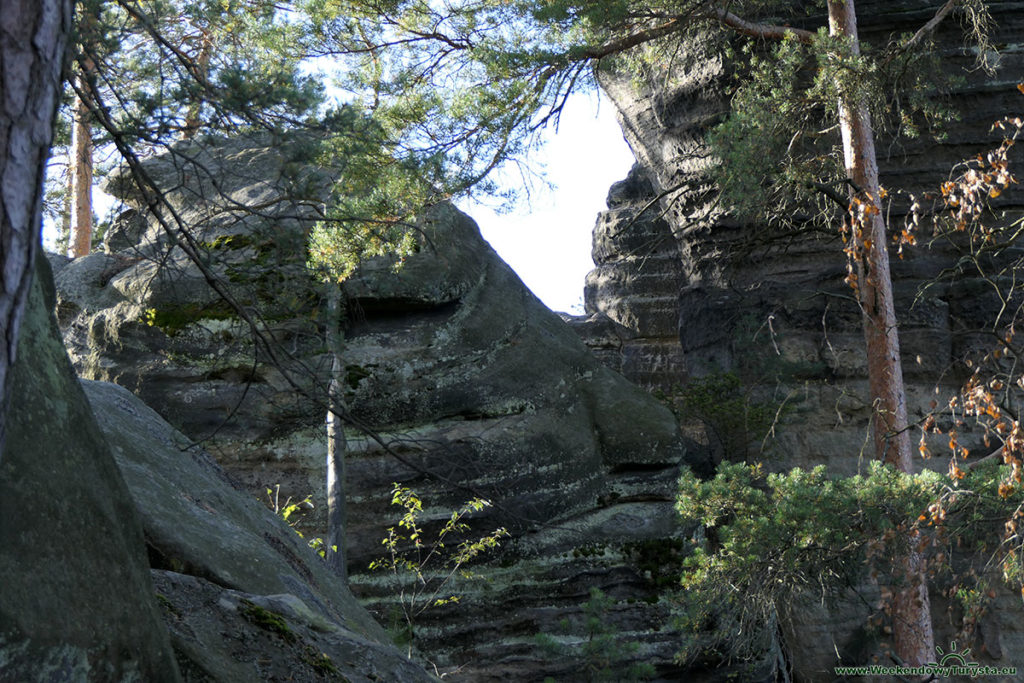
[
  {"x": 773, "y": 308},
  {"x": 466, "y": 384}
]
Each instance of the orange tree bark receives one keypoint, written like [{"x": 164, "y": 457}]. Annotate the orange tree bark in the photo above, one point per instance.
[
  {"x": 202, "y": 68},
  {"x": 912, "y": 626},
  {"x": 81, "y": 141},
  {"x": 81, "y": 174},
  {"x": 32, "y": 41}
]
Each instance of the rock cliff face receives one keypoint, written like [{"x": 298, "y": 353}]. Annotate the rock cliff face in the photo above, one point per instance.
[
  {"x": 632, "y": 297},
  {"x": 77, "y": 601},
  {"x": 740, "y": 294},
  {"x": 243, "y": 598},
  {"x": 469, "y": 387},
  {"x": 117, "y": 531},
  {"x": 737, "y": 300}
]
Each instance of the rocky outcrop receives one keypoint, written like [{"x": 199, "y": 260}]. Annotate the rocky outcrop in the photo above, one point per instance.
[
  {"x": 632, "y": 296},
  {"x": 243, "y": 596},
  {"x": 77, "y": 602},
  {"x": 776, "y": 311},
  {"x": 466, "y": 383},
  {"x": 777, "y": 307},
  {"x": 128, "y": 555}
]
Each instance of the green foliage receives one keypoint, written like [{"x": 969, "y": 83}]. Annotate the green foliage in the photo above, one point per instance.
[
  {"x": 758, "y": 161},
  {"x": 321, "y": 663},
  {"x": 460, "y": 88},
  {"x": 599, "y": 645},
  {"x": 155, "y": 73},
  {"x": 765, "y": 541},
  {"x": 778, "y": 145},
  {"x": 768, "y": 540},
  {"x": 658, "y": 559},
  {"x": 423, "y": 570},
  {"x": 290, "y": 509},
  {"x": 171, "y": 321}
]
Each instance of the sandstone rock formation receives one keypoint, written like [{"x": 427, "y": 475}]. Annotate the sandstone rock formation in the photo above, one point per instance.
[
  {"x": 77, "y": 601},
  {"x": 243, "y": 597},
  {"x": 742, "y": 295},
  {"x": 117, "y": 531},
  {"x": 473, "y": 386},
  {"x": 776, "y": 311},
  {"x": 632, "y": 296}
]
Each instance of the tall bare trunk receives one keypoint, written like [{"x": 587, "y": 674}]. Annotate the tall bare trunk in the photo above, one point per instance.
[
  {"x": 81, "y": 174},
  {"x": 64, "y": 238},
  {"x": 32, "y": 35},
  {"x": 337, "y": 555},
  {"x": 912, "y": 627},
  {"x": 202, "y": 68}
]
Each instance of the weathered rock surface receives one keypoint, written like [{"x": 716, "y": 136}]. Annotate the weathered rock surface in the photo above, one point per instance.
[
  {"x": 779, "y": 308},
  {"x": 476, "y": 388},
  {"x": 743, "y": 296},
  {"x": 97, "y": 492},
  {"x": 76, "y": 600},
  {"x": 632, "y": 296},
  {"x": 244, "y": 598}
]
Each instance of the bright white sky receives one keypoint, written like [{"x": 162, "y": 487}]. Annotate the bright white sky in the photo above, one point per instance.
[{"x": 548, "y": 242}]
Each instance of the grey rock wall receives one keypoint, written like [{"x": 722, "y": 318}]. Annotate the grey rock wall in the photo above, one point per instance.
[
  {"x": 76, "y": 599},
  {"x": 631, "y": 298},
  {"x": 741, "y": 293},
  {"x": 475, "y": 387},
  {"x": 126, "y": 554},
  {"x": 243, "y": 597},
  {"x": 745, "y": 303}
]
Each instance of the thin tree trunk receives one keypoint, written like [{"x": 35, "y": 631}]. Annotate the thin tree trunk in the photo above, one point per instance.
[
  {"x": 32, "y": 35},
  {"x": 64, "y": 239},
  {"x": 192, "y": 118},
  {"x": 81, "y": 174},
  {"x": 912, "y": 626},
  {"x": 337, "y": 555}
]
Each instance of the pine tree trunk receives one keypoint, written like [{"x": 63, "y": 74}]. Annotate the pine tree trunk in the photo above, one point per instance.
[
  {"x": 81, "y": 176},
  {"x": 32, "y": 35},
  {"x": 912, "y": 626},
  {"x": 202, "y": 67},
  {"x": 337, "y": 555},
  {"x": 64, "y": 238}
]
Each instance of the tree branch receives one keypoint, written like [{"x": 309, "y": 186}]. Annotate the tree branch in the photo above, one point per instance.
[
  {"x": 997, "y": 453},
  {"x": 830, "y": 192},
  {"x": 767, "y": 31},
  {"x": 677, "y": 23},
  {"x": 933, "y": 23},
  {"x": 632, "y": 40}
]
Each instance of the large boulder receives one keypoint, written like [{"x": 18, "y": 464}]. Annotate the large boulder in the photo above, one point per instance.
[
  {"x": 77, "y": 602},
  {"x": 243, "y": 596},
  {"x": 128, "y": 555},
  {"x": 464, "y": 385}
]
